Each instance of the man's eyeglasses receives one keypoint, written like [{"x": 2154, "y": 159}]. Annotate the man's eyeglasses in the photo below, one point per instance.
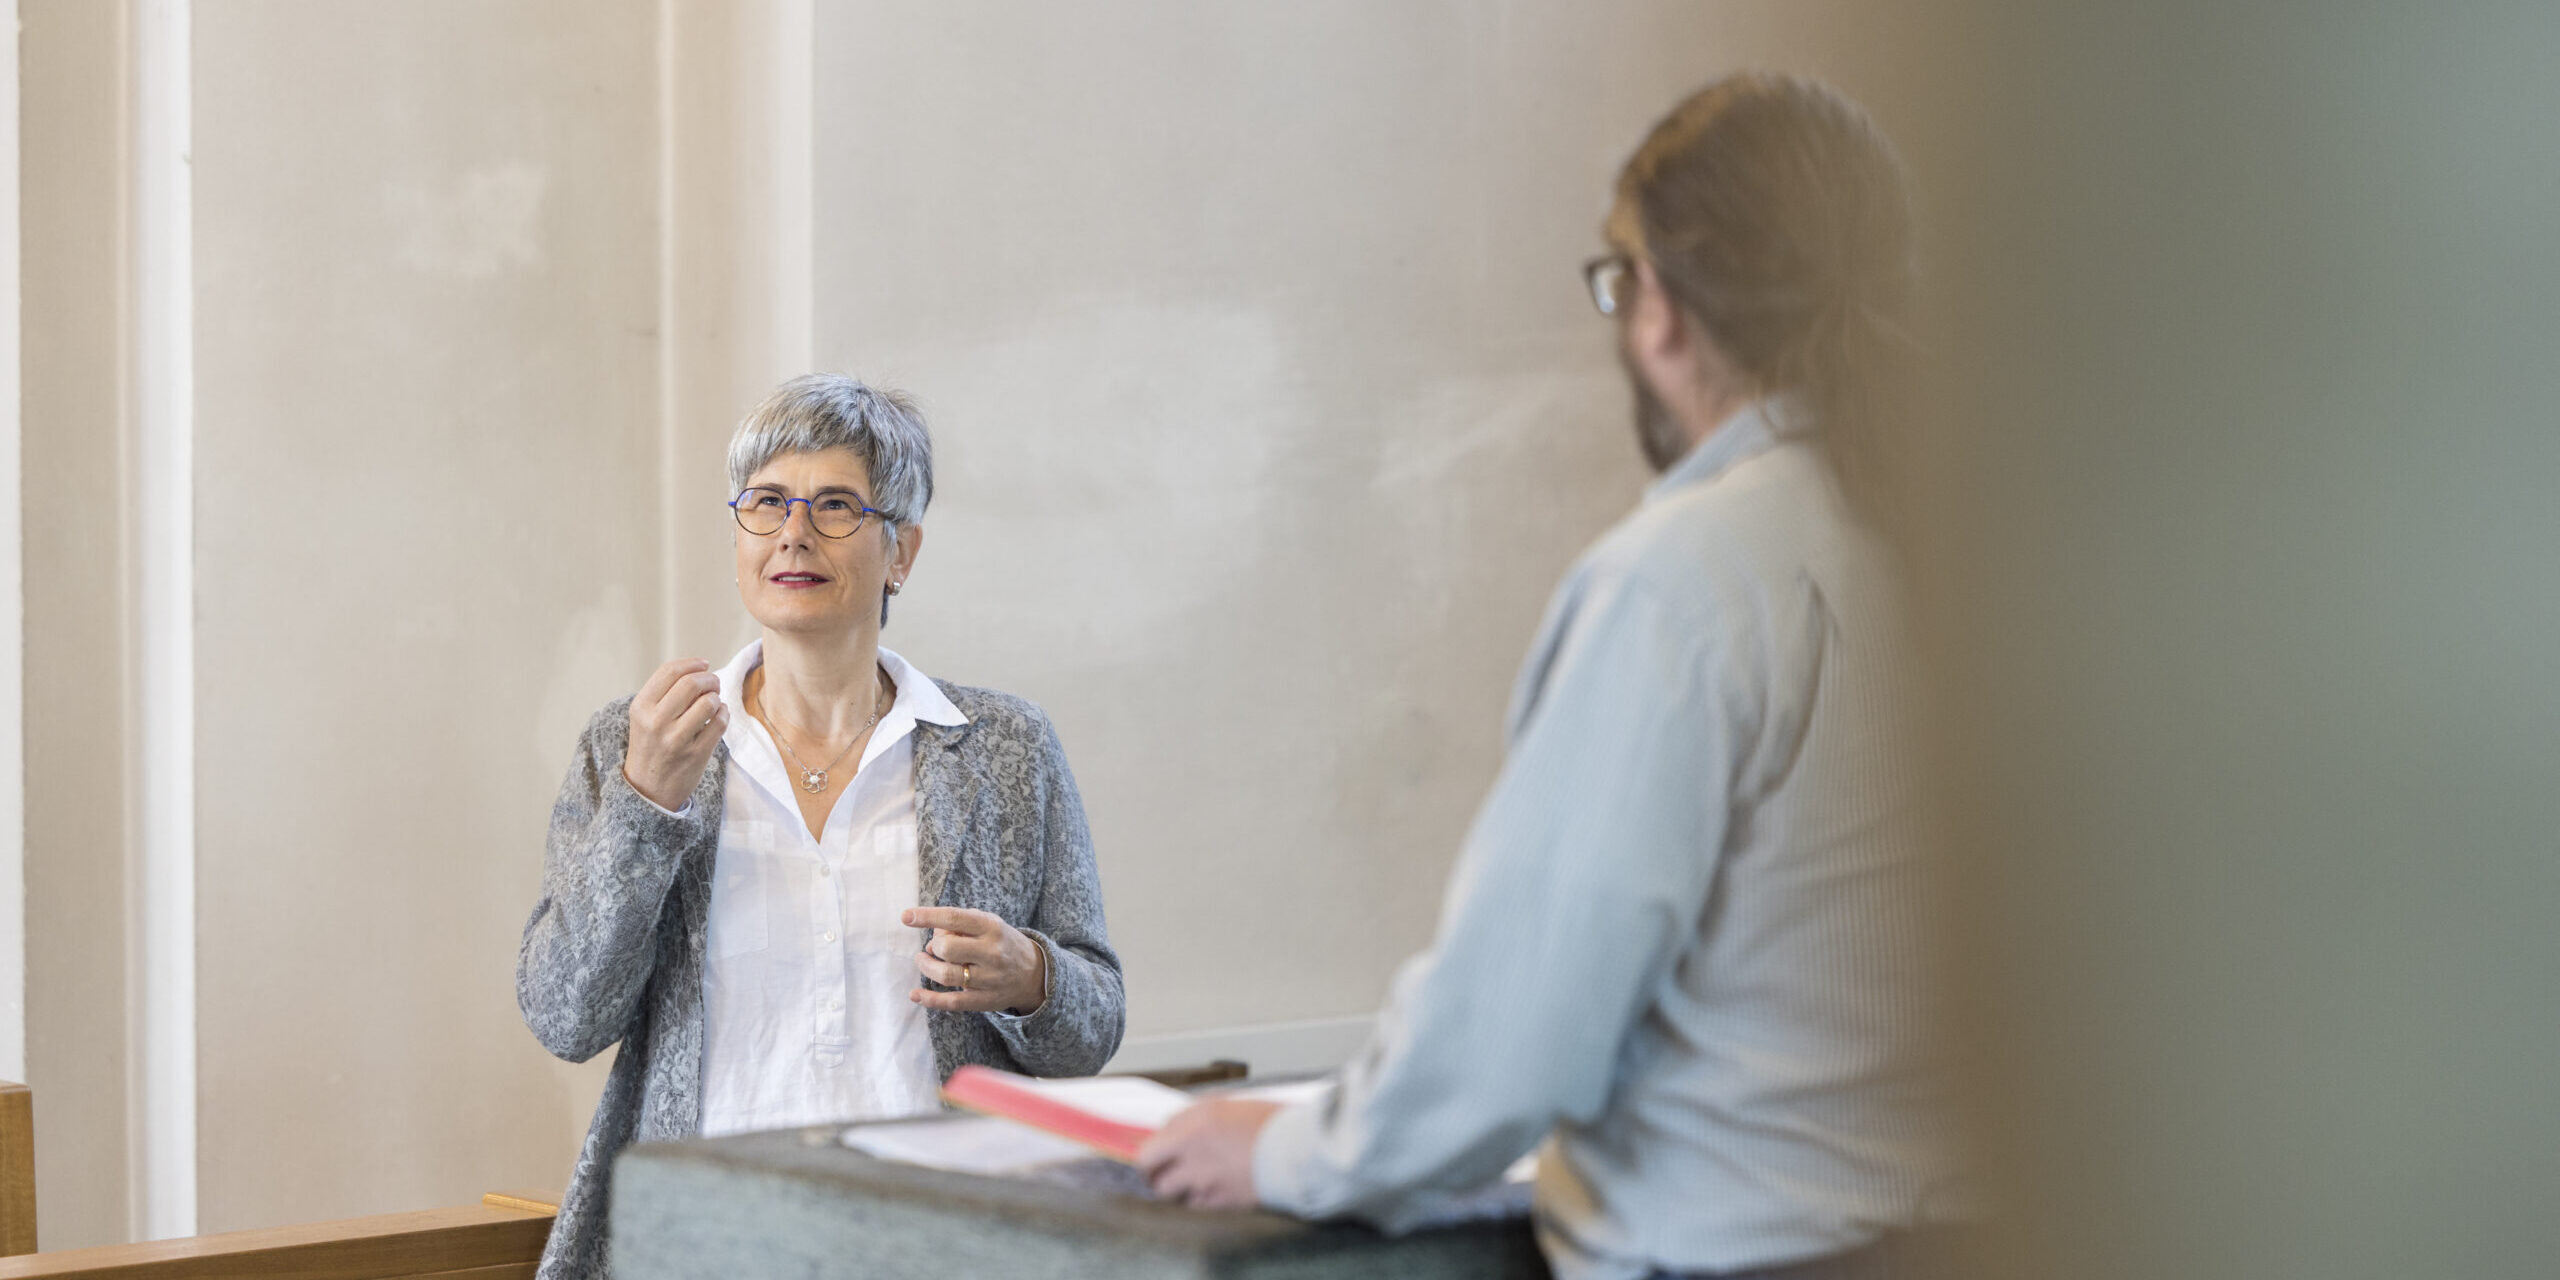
[
  {"x": 1611, "y": 278},
  {"x": 834, "y": 515}
]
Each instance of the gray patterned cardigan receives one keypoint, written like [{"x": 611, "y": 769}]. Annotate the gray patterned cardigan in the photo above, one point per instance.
[{"x": 613, "y": 953}]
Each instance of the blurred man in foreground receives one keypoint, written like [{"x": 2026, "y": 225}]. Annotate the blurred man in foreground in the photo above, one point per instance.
[{"x": 1683, "y": 945}]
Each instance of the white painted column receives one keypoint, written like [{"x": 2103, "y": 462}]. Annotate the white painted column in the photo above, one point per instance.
[
  {"x": 161, "y": 477},
  {"x": 793, "y": 74},
  {"x": 670, "y": 338},
  {"x": 13, "y": 649},
  {"x": 763, "y": 233}
]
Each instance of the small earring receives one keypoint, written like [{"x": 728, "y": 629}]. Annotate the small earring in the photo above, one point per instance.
[{"x": 893, "y": 587}]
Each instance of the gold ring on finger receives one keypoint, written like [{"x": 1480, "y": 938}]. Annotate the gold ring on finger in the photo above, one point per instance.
[{"x": 964, "y": 977}]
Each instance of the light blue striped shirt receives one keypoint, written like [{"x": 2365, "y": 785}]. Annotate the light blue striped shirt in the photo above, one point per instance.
[{"x": 1681, "y": 944}]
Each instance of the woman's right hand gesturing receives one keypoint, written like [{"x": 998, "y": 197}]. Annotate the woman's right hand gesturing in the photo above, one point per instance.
[{"x": 676, "y": 722}]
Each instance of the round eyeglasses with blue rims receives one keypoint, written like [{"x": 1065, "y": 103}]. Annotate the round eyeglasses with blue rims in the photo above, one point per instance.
[{"x": 834, "y": 513}]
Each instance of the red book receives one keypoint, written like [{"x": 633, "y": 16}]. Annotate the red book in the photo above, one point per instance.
[{"x": 1002, "y": 1093}]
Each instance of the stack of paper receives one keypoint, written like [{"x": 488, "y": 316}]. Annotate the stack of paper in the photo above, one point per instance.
[
  {"x": 1100, "y": 1110},
  {"x": 1110, "y": 1114}
]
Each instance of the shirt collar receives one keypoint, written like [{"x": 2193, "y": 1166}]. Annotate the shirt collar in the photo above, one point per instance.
[
  {"x": 1753, "y": 429},
  {"x": 918, "y": 694},
  {"x": 919, "y": 701}
]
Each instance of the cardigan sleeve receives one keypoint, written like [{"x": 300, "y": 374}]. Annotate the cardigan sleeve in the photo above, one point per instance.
[
  {"x": 608, "y": 864},
  {"x": 1078, "y": 1028}
]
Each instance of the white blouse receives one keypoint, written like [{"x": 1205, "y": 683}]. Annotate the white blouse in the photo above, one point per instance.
[{"x": 806, "y": 970}]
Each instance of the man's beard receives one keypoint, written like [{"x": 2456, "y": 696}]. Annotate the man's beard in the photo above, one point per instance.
[{"x": 1660, "y": 434}]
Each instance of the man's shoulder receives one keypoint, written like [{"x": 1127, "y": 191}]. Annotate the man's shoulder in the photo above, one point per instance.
[{"x": 1725, "y": 538}]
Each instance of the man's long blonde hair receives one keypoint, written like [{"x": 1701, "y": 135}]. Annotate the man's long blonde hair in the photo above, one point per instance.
[{"x": 1776, "y": 213}]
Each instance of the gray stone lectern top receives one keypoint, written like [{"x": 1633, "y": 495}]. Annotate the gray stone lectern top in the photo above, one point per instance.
[{"x": 799, "y": 1204}]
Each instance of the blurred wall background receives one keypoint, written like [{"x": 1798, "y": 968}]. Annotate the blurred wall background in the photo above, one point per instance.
[
  {"x": 1269, "y": 407},
  {"x": 2249, "y": 596}
]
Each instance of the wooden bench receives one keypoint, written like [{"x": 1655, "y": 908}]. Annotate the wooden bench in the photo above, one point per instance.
[{"x": 500, "y": 1238}]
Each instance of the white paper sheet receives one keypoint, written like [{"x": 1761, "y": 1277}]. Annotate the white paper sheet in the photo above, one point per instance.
[
  {"x": 1294, "y": 1093},
  {"x": 963, "y": 1144},
  {"x": 1126, "y": 1099}
]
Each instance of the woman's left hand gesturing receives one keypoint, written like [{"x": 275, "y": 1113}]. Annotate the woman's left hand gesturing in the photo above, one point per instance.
[{"x": 994, "y": 965}]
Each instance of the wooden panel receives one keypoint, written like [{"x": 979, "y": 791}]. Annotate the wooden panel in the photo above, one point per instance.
[
  {"x": 17, "y": 1169},
  {"x": 468, "y": 1239}
]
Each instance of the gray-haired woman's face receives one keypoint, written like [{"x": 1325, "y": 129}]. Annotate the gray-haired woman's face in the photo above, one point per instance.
[{"x": 799, "y": 580}]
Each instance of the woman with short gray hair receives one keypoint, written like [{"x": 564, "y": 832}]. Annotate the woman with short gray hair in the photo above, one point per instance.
[{"x": 806, "y": 887}]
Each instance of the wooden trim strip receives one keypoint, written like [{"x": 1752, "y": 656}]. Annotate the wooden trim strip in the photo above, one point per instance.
[{"x": 530, "y": 1201}]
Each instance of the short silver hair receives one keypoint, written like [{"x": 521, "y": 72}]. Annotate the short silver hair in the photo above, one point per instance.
[{"x": 818, "y": 411}]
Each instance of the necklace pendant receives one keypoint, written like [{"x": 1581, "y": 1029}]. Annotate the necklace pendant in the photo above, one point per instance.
[{"x": 814, "y": 781}]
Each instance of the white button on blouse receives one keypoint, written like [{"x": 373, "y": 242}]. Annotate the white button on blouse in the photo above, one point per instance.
[{"x": 800, "y": 1027}]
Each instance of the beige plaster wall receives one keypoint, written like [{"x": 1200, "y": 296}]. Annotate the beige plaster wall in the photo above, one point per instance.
[
  {"x": 426, "y": 411},
  {"x": 71, "y": 184},
  {"x": 437, "y": 352},
  {"x": 1269, "y": 407}
]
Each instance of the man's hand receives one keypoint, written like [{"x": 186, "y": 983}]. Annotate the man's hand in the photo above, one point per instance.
[{"x": 1204, "y": 1157}]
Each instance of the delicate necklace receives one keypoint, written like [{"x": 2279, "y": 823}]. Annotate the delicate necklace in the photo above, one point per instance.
[{"x": 814, "y": 781}]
